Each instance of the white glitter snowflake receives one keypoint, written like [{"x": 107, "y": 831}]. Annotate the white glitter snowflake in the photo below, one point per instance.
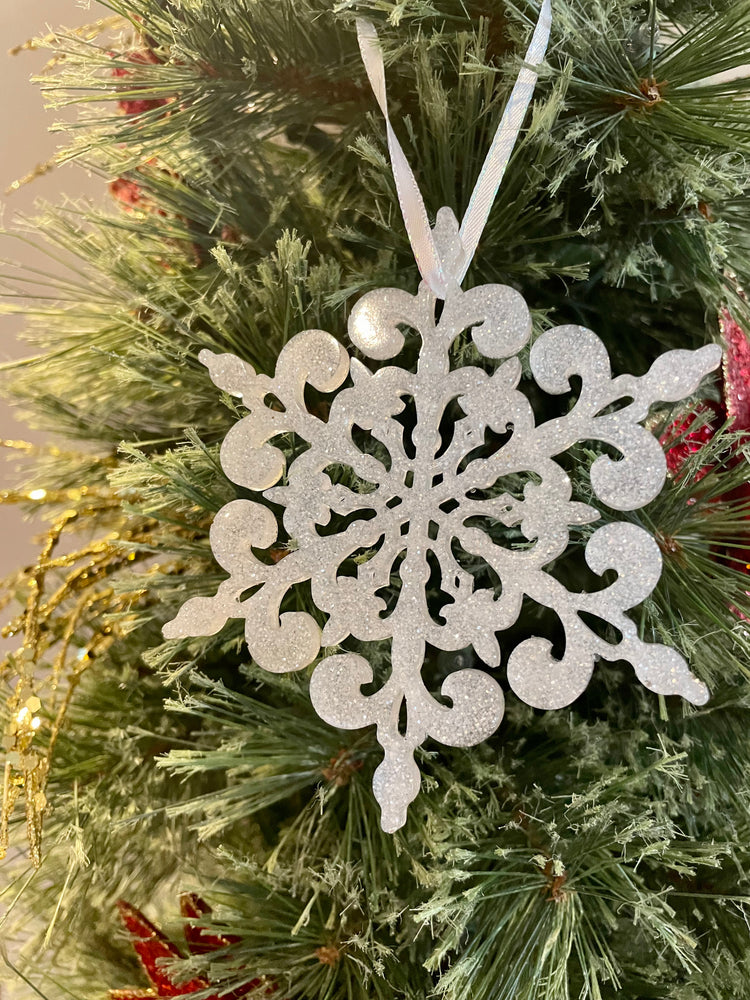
[{"x": 426, "y": 498}]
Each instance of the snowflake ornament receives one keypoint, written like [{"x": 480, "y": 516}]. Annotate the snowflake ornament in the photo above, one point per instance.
[
  {"x": 431, "y": 491},
  {"x": 428, "y": 497}
]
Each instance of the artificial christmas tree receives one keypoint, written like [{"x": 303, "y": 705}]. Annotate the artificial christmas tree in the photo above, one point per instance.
[{"x": 599, "y": 850}]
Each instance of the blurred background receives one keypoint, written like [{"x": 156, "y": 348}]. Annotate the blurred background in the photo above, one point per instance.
[{"x": 25, "y": 143}]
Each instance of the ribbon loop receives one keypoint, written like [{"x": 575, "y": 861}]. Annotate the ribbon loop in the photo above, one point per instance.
[
  {"x": 409, "y": 196},
  {"x": 421, "y": 237}
]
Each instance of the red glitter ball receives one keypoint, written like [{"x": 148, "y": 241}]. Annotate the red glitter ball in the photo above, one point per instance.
[
  {"x": 736, "y": 372},
  {"x": 680, "y": 442}
]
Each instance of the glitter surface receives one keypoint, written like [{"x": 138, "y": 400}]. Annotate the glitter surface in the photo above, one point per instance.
[{"x": 422, "y": 500}]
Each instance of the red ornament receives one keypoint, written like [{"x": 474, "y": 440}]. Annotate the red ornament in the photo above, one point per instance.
[
  {"x": 681, "y": 442},
  {"x": 155, "y": 950},
  {"x": 131, "y": 194},
  {"x": 736, "y": 370},
  {"x": 136, "y": 106},
  {"x": 736, "y": 373},
  {"x": 199, "y": 940},
  {"x": 126, "y": 191}
]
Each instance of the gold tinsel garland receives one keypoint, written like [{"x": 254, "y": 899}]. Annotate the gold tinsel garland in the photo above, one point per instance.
[{"x": 65, "y": 625}]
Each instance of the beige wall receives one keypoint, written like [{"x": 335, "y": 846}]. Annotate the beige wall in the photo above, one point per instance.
[{"x": 25, "y": 142}]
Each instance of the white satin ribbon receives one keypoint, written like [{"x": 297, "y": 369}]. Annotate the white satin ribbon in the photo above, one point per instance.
[{"x": 490, "y": 177}]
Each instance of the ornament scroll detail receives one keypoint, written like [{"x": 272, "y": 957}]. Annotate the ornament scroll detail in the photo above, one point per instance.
[{"x": 424, "y": 498}]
